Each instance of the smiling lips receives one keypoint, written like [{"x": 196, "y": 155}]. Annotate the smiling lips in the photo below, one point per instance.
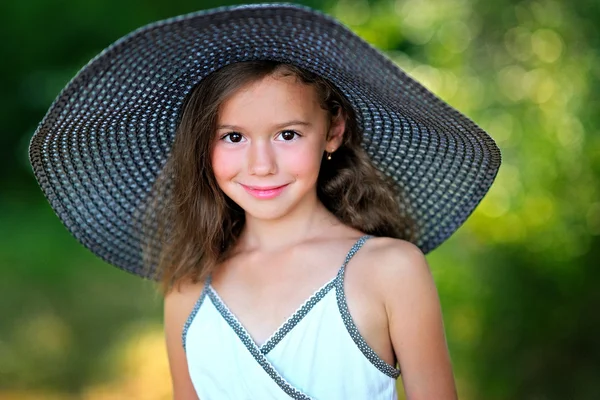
[{"x": 264, "y": 192}]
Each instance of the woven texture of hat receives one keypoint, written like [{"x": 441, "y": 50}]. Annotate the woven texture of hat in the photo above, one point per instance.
[{"x": 105, "y": 139}]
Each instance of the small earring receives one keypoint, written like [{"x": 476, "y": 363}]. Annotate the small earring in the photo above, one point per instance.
[{"x": 328, "y": 155}]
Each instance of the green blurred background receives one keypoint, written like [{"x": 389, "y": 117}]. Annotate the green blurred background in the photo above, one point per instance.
[{"x": 517, "y": 282}]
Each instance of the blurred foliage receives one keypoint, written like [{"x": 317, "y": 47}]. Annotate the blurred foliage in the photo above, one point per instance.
[{"x": 517, "y": 281}]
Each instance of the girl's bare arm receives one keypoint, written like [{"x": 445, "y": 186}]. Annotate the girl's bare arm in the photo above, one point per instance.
[
  {"x": 415, "y": 323},
  {"x": 177, "y": 307}
]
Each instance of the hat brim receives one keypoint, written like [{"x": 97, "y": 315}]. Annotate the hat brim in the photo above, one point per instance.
[{"x": 105, "y": 139}]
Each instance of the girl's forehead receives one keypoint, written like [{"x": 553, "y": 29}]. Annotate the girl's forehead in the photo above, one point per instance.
[{"x": 271, "y": 98}]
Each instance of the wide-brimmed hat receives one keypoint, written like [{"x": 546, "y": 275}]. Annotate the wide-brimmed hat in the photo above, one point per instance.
[{"x": 102, "y": 144}]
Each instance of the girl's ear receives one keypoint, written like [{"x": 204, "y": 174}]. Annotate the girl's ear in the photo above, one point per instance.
[{"x": 335, "y": 136}]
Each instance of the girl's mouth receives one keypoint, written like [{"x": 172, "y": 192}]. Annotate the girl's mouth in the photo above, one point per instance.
[{"x": 264, "y": 192}]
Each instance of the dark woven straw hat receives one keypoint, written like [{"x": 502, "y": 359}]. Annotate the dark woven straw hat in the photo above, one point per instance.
[{"x": 102, "y": 144}]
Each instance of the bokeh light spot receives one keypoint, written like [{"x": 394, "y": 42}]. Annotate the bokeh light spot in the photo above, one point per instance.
[
  {"x": 500, "y": 125},
  {"x": 510, "y": 82},
  {"x": 455, "y": 36},
  {"x": 353, "y": 13},
  {"x": 547, "y": 45},
  {"x": 496, "y": 203},
  {"x": 539, "y": 85},
  {"x": 538, "y": 210},
  {"x": 518, "y": 43},
  {"x": 429, "y": 76}
]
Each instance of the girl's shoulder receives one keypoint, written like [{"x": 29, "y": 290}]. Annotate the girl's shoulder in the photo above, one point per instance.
[
  {"x": 392, "y": 264},
  {"x": 180, "y": 300},
  {"x": 390, "y": 255}
]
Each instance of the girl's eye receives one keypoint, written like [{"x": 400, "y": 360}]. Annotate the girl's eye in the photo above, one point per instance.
[
  {"x": 288, "y": 136},
  {"x": 233, "y": 137}
]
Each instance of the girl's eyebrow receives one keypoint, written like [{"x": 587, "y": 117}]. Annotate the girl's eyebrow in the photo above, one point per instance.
[{"x": 278, "y": 126}]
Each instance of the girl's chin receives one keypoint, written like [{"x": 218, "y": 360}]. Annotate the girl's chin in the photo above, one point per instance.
[
  {"x": 266, "y": 215},
  {"x": 267, "y": 210}
]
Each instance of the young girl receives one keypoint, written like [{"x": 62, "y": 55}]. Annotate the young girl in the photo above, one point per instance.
[{"x": 283, "y": 180}]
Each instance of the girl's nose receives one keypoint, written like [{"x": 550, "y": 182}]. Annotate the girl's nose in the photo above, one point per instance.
[{"x": 262, "y": 159}]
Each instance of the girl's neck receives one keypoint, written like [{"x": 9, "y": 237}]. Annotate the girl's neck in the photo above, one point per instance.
[{"x": 278, "y": 234}]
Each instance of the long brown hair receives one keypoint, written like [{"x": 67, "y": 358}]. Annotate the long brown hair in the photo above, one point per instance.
[{"x": 198, "y": 225}]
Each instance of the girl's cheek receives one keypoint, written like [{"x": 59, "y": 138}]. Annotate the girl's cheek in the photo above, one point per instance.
[
  {"x": 224, "y": 162},
  {"x": 303, "y": 160}
]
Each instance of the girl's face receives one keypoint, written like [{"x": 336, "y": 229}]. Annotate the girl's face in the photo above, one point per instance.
[{"x": 270, "y": 138}]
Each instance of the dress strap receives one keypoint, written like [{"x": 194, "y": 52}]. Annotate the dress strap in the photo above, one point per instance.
[
  {"x": 357, "y": 245},
  {"x": 192, "y": 315},
  {"x": 358, "y": 339}
]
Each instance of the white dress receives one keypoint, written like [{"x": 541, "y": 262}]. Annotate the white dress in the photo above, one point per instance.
[{"x": 317, "y": 353}]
